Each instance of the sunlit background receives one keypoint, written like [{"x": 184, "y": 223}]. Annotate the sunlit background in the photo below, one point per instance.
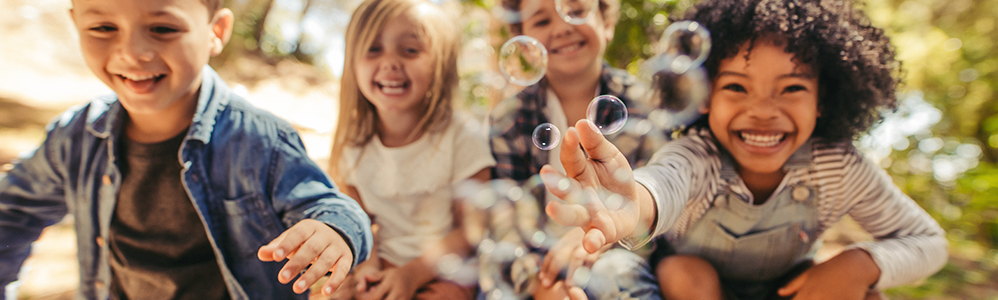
[{"x": 940, "y": 146}]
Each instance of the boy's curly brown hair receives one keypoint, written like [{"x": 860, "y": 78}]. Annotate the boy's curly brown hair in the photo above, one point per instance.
[{"x": 857, "y": 73}]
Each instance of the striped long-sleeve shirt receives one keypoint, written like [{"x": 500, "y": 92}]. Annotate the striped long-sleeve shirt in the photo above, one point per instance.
[{"x": 684, "y": 178}]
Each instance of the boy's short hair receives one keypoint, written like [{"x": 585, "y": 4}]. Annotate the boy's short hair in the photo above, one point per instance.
[
  {"x": 854, "y": 61},
  {"x": 608, "y": 9}
]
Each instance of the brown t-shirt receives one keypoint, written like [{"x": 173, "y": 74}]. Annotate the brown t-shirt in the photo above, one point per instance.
[{"x": 159, "y": 246}]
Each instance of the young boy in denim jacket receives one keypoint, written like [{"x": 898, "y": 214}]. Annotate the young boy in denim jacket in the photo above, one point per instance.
[{"x": 174, "y": 182}]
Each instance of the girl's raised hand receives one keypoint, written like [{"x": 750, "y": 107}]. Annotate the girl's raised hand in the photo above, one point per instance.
[
  {"x": 600, "y": 193},
  {"x": 310, "y": 242}
]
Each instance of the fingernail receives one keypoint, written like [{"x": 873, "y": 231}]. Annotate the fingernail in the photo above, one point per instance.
[
  {"x": 286, "y": 275},
  {"x": 300, "y": 284},
  {"x": 279, "y": 253},
  {"x": 327, "y": 290},
  {"x": 593, "y": 126}
]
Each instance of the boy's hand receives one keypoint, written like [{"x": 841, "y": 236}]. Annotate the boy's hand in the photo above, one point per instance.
[
  {"x": 605, "y": 172},
  {"x": 848, "y": 275},
  {"x": 310, "y": 242},
  {"x": 566, "y": 253}
]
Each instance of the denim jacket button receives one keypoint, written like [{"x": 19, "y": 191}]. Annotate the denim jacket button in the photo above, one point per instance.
[
  {"x": 106, "y": 179},
  {"x": 99, "y": 285},
  {"x": 100, "y": 241}
]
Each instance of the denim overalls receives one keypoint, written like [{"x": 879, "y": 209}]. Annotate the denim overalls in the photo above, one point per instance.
[{"x": 753, "y": 246}]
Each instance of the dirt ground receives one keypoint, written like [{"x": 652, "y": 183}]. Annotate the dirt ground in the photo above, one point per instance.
[{"x": 42, "y": 73}]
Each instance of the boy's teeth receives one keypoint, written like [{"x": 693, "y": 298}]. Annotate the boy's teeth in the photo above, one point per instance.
[
  {"x": 762, "y": 140},
  {"x": 568, "y": 48}
]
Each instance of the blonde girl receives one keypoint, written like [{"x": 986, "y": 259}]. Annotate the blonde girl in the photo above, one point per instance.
[{"x": 400, "y": 146}]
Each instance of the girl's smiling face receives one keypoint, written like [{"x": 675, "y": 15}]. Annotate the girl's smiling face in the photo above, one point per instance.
[
  {"x": 764, "y": 107},
  {"x": 394, "y": 73}
]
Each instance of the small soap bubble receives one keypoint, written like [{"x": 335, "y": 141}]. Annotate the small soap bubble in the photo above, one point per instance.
[
  {"x": 449, "y": 264},
  {"x": 523, "y": 60},
  {"x": 563, "y": 184},
  {"x": 546, "y": 136},
  {"x": 581, "y": 277},
  {"x": 622, "y": 175},
  {"x": 538, "y": 238},
  {"x": 575, "y": 12},
  {"x": 613, "y": 202},
  {"x": 687, "y": 38},
  {"x": 608, "y": 113}
]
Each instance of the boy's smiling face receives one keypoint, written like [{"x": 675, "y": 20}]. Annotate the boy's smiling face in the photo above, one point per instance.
[
  {"x": 764, "y": 108},
  {"x": 571, "y": 48},
  {"x": 150, "y": 52}
]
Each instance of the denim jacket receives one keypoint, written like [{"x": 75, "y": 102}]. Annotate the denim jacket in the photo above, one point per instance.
[{"x": 245, "y": 170}]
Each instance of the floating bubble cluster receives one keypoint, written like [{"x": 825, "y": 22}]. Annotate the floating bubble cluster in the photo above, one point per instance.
[{"x": 678, "y": 83}]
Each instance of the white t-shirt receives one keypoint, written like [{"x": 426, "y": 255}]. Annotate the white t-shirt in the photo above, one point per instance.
[{"x": 408, "y": 189}]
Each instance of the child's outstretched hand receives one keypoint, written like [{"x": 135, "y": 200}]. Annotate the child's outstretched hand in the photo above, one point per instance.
[
  {"x": 567, "y": 254},
  {"x": 603, "y": 172},
  {"x": 848, "y": 275},
  {"x": 310, "y": 242}
]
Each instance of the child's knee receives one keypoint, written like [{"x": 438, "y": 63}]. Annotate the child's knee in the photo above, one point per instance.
[
  {"x": 678, "y": 274},
  {"x": 682, "y": 270},
  {"x": 684, "y": 264},
  {"x": 442, "y": 289}
]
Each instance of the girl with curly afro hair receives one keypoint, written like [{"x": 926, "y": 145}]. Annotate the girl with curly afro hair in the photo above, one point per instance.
[{"x": 736, "y": 206}]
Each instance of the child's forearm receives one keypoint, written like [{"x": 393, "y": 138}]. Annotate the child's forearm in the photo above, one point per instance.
[
  {"x": 859, "y": 264},
  {"x": 648, "y": 211},
  {"x": 422, "y": 269}
]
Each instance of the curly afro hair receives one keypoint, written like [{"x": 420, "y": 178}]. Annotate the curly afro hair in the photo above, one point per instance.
[{"x": 858, "y": 75}]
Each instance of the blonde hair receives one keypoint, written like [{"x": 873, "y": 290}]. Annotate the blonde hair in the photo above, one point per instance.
[{"x": 358, "y": 118}]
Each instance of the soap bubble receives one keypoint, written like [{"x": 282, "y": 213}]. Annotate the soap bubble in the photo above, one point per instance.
[
  {"x": 546, "y": 136},
  {"x": 575, "y": 12},
  {"x": 676, "y": 90},
  {"x": 608, "y": 113},
  {"x": 523, "y": 60},
  {"x": 687, "y": 38}
]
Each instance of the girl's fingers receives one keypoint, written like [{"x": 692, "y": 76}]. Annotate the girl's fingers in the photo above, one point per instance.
[
  {"x": 594, "y": 240},
  {"x": 567, "y": 214},
  {"x": 572, "y": 157},
  {"x": 592, "y": 140}
]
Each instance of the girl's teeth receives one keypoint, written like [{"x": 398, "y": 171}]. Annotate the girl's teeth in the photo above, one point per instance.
[
  {"x": 759, "y": 140},
  {"x": 392, "y": 90}
]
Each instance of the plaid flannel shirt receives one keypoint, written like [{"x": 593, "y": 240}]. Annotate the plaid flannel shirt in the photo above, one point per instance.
[{"x": 512, "y": 122}]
